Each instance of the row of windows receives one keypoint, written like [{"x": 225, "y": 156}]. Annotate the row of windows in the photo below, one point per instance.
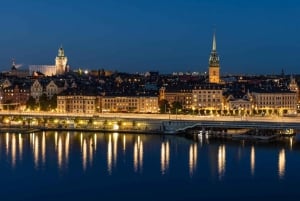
[
  {"x": 120, "y": 100},
  {"x": 209, "y": 92},
  {"x": 77, "y": 102},
  {"x": 280, "y": 103},
  {"x": 207, "y": 100},
  {"x": 276, "y": 98}
]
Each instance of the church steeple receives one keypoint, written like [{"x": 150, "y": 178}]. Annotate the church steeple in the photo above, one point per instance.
[
  {"x": 214, "y": 65},
  {"x": 214, "y": 46},
  {"x": 13, "y": 66},
  {"x": 61, "y": 52}
]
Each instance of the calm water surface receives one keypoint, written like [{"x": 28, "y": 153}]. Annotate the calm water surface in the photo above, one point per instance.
[{"x": 88, "y": 166}]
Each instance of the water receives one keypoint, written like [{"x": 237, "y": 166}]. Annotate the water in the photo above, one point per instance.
[{"x": 88, "y": 166}]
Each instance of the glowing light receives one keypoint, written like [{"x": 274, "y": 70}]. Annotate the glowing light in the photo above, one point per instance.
[{"x": 115, "y": 127}]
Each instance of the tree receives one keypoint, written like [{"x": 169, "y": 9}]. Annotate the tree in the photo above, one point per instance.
[
  {"x": 53, "y": 102},
  {"x": 176, "y": 107},
  {"x": 44, "y": 103},
  {"x": 31, "y": 103},
  {"x": 164, "y": 106}
]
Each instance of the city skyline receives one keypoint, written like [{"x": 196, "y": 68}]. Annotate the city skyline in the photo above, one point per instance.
[{"x": 137, "y": 36}]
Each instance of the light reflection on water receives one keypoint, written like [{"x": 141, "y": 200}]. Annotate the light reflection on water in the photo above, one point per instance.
[
  {"x": 97, "y": 159},
  {"x": 15, "y": 145}
]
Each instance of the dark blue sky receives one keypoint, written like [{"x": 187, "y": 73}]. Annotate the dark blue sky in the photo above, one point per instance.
[{"x": 257, "y": 36}]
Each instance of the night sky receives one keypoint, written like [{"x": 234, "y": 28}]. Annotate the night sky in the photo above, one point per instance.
[{"x": 257, "y": 36}]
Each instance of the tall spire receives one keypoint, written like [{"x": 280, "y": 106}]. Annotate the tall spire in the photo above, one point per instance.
[{"x": 214, "y": 45}]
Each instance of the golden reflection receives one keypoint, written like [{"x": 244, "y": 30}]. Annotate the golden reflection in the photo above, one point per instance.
[
  {"x": 7, "y": 143},
  {"x": 20, "y": 147},
  {"x": 84, "y": 154},
  {"x": 13, "y": 151},
  {"x": 252, "y": 160},
  {"x": 138, "y": 155},
  {"x": 291, "y": 142},
  {"x": 193, "y": 154},
  {"x": 81, "y": 139},
  {"x": 109, "y": 155},
  {"x": 164, "y": 157},
  {"x": 36, "y": 150},
  {"x": 115, "y": 141},
  {"x": 281, "y": 164},
  {"x": 95, "y": 142},
  {"x": 59, "y": 153},
  {"x": 91, "y": 151},
  {"x": 221, "y": 161},
  {"x": 55, "y": 140},
  {"x": 44, "y": 148},
  {"x": 67, "y": 148},
  {"x": 124, "y": 143}
]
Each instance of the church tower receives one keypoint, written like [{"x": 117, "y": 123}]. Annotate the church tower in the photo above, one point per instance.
[
  {"x": 214, "y": 65},
  {"x": 61, "y": 62}
]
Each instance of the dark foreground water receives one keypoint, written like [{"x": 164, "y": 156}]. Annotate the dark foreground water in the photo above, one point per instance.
[{"x": 86, "y": 166}]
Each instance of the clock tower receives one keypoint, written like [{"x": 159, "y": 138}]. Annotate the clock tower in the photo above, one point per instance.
[
  {"x": 214, "y": 65},
  {"x": 61, "y": 62}
]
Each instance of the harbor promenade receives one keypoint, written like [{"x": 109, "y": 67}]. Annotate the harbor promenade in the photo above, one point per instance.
[{"x": 132, "y": 122}]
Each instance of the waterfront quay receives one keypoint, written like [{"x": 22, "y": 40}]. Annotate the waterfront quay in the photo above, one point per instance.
[{"x": 144, "y": 123}]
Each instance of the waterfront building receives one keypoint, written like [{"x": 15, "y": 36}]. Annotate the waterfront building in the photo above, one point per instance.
[
  {"x": 241, "y": 106},
  {"x": 275, "y": 102},
  {"x": 76, "y": 103},
  {"x": 183, "y": 96},
  {"x": 214, "y": 63},
  {"x": 207, "y": 97},
  {"x": 140, "y": 104}
]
